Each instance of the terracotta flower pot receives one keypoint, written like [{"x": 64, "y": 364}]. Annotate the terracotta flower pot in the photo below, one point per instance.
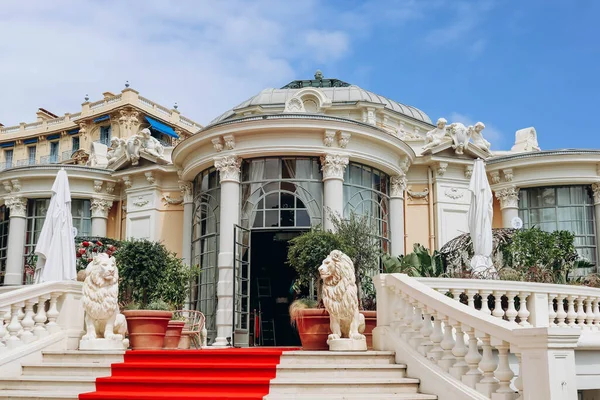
[
  {"x": 147, "y": 328},
  {"x": 185, "y": 342},
  {"x": 173, "y": 334},
  {"x": 313, "y": 327}
]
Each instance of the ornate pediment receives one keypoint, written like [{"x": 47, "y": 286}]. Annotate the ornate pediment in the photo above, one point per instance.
[{"x": 445, "y": 149}]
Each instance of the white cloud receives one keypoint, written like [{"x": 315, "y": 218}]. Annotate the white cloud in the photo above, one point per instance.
[
  {"x": 491, "y": 133},
  {"x": 208, "y": 56}
]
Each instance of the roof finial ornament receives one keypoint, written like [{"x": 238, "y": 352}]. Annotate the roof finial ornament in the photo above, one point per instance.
[
  {"x": 126, "y": 84},
  {"x": 175, "y": 106},
  {"x": 86, "y": 97},
  {"x": 318, "y": 74}
]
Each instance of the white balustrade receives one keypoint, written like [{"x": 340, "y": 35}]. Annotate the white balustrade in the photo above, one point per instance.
[
  {"x": 24, "y": 318},
  {"x": 471, "y": 345}
]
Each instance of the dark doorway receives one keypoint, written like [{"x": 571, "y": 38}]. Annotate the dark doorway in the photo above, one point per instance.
[{"x": 270, "y": 294}]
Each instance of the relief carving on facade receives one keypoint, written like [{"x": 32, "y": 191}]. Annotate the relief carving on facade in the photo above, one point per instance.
[
  {"x": 442, "y": 167},
  {"x": 334, "y": 165},
  {"x": 98, "y": 186},
  {"x": 397, "y": 186},
  {"x": 436, "y": 136},
  {"x": 100, "y": 208},
  {"x": 17, "y": 206},
  {"x": 460, "y": 135},
  {"x": 344, "y": 139},
  {"x": 328, "y": 137},
  {"x": 495, "y": 175},
  {"x": 294, "y": 105},
  {"x": 144, "y": 142},
  {"x": 229, "y": 142},
  {"x": 187, "y": 191},
  {"x": 117, "y": 148},
  {"x": 508, "y": 174},
  {"x": 129, "y": 122},
  {"x": 509, "y": 197},
  {"x": 454, "y": 193},
  {"x": 127, "y": 181},
  {"x": 217, "y": 144},
  {"x": 416, "y": 195},
  {"x": 468, "y": 171},
  {"x": 596, "y": 191},
  {"x": 229, "y": 168},
  {"x": 110, "y": 187},
  {"x": 150, "y": 177}
]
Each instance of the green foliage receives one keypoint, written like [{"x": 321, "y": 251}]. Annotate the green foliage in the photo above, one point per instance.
[
  {"x": 307, "y": 251},
  {"x": 419, "y": 263},
  {"x": 158, "y": 305},
  {"x": 149, "y": 272},
  {"x": 87, "y": 247}
]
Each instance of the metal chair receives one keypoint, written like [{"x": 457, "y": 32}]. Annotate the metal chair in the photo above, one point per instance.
[{"x": 194, "y": 326}]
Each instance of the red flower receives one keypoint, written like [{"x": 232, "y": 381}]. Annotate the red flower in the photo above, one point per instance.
[
  {"x": 90, "y": 259},
  {"x": 78, "y": 255},
  {"x": 109, "y": 253},
  {"x": 99, "y": 243},
  {"x": 81, "y": 251},
  {"x": 111, "y": 248},
  {"x": 85, "y": 244}
]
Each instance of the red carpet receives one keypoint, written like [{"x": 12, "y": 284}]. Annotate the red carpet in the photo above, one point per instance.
[{"x": 241, "y": 374}]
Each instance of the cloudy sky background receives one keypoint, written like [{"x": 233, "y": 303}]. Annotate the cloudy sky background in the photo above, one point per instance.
[{"x": 506, "y": 63}]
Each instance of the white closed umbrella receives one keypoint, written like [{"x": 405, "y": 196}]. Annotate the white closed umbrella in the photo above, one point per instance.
[
  {"x": 480, "y": 216},
  {"x": 56, "y": 245}
]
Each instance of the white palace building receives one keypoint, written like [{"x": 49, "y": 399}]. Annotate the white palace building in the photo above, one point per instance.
[{"x": 274, "y": 166}]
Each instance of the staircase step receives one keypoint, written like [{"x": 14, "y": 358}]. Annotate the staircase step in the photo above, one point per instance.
[
  {"x": 248, "y": 385},
  {"x": 335, "y": 371},
  {"x": 362, "y": 396},
  {"x": 341, "y": 357},
  {"x": 196, "y": 369},
  {"x": 69, "y": 384},
  {"x": 67, "y": 369},
  {"x": 168, "y": 396},
  {"x": 366, "y": 385},
  {"x": 76, "y": 356},
  {"x": 36, "y": 395}
]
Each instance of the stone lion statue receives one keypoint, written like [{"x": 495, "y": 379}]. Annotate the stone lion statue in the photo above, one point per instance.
[
  {"x": 100, "y": 300},
  {"x": 340, "y": 296}
]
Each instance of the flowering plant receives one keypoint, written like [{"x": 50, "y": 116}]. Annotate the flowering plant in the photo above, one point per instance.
[{"x": 87, "y": 249}]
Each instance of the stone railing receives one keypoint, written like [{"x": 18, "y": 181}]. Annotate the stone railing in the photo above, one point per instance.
[
  {"x": 29, "y": 314},
  {"x": 440, "y": 339},
  {"x": 529, "y": 304}
]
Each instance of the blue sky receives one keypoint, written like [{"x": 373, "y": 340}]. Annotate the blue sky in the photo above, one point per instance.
[{"x": 510, "y": 64}]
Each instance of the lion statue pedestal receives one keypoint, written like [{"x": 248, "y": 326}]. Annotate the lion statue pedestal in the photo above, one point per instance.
[
  {"x": 105, "y": 325},
  {"x": 340, "y": 296}
]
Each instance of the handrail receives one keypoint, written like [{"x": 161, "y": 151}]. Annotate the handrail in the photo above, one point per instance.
[{"x": 31, "y": 291}]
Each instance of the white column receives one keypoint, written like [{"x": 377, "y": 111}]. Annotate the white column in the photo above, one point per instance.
[
  {"x": 229, "y": 173},
  {"x": 397, "y": 187},
  {"x": 17, "y": 229},
  {"x": 333, "y": 166},
  {"x": 596, "y": 190},
  {"x": 509, "y": 204},
  {"x": 188, "y": 214},
  {"x": 100, "y": 208}
]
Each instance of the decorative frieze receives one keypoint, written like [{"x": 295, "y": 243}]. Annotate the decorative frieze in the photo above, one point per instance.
[
  {"x": 596, "y": 191},
  {"x": 17, "y": 206},
  {"x": 16, "y": 185},
  {"x": 98, "y": 186},
  {"x": 442, "y": 167},
  {"x": 453, "y": 193},
  {"x": 141, "y": 202},
  {"x": 415, "y": 195},
  {"x": 7, "y": 186},
  {"x": 495, "y": 175},
  {"x": 334, "y": 165},
  {"x": 127, "y": 181},
  {"x": 508, "y": 174},
  {"x": 509, "y": 197},
  {"x": 217, "y": 144},
  {"x": 397, "y": 185},
  {"x": 187, "y": 191},
  {"x": 328, "y": 137},
  {"x": 150, "y": 177},
  {"x": 100, "y": 208},
  {"x": 344, "y": 139},
  {"x": 229, "y": 142},
  {"x": 229, "y": 168},
  {"x": 468, "y": 171},
  {"x": 170, "y": 201},
  {"x": 110, "y": 187}
]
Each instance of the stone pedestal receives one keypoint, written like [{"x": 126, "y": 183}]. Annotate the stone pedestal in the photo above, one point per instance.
[
  {"x": 103, "y": 344},
  {"x": 347, "y": 345}
]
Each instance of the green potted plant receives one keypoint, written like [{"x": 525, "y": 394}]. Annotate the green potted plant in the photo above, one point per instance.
[{"x": 154, "y": 282}]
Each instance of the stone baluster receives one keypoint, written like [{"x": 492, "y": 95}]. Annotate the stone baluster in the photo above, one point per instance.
[
  {"x": 14, "y": 327},
  {"x": 485, "y": 294},
  {"x": 523, "y": 313},
  {"x": 28, "y": 323},
  {"x": 561, "y": 315},
  {"x": 426, "y": 331},
  {"x": 488, "y": 384},
  {"x": 596, "y": 310},
  {"x": 53, "y": 313},
  {"x": 551, "y": 312},
  {"x": 571, "y": 314},
  {"x": 3, "y": 331},
  {"x": 436, "y": 352},
  {"x": 40, "y": 318},
  {"x": 456, "y": 294},
  {"x": 580, "y": 312},
  {"x": 407, "y": 332},
  {"x": 511, "y": 311},
  {"x": 399, "y": 307},
  {"x": 498, "y": 312},
  {"x": 504, "y": 374},
  {"x": 472, "y": 358},
  {"x": 589, "y": 312},
  {"x": 471, "y": 297},
  {"x": 5, "y": 315},
  {"x": 417, "y": 323},
  {"x": 459, "y": 351},
  {"x": 447, "y": 345},
  {"x": 519, "y": 381}
]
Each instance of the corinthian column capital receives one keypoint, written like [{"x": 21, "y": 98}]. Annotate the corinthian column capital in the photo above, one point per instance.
[
  {"x": 17, "y": 206},
  {"x": 397, "y": 186},
  {"x": 229, "y": 168},
  {"x": 100, "y": 208},
  {"x": 334, "y": 165},
  {"x": 509, "y": 197},
  {"x": 596, "y": 191}
]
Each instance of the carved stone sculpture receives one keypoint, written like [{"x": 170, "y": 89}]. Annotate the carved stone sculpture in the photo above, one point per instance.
[
  {"x": 460, "y": 136},
  {"x": 340, "y": 297},
  {"x": 526, "y": 140},
  {"x": 435, "y": 136},
  {"x": 477, "y": 137},
  {"x": 100, "y": 302},
  {"x": 143, "y": 141},
  {"x": 117, "y": 148}
]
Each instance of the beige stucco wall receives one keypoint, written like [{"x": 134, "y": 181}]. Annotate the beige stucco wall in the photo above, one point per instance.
[
  {"x": 497, "y": 219},
  {"x": 171, "y": 229},
  {"x": 416, "y": 216},
  {"x": 112, "y": 225}
]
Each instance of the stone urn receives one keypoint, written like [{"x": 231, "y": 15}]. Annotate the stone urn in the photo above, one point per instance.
[
  {"x": 147, "y": 328},
  {"x": 173, "y": 334}
]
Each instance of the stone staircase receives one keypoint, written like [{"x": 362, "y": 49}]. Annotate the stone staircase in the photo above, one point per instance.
[
  {"x": 317, "y": 375},
  {"x": 61, "y": 375}
]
